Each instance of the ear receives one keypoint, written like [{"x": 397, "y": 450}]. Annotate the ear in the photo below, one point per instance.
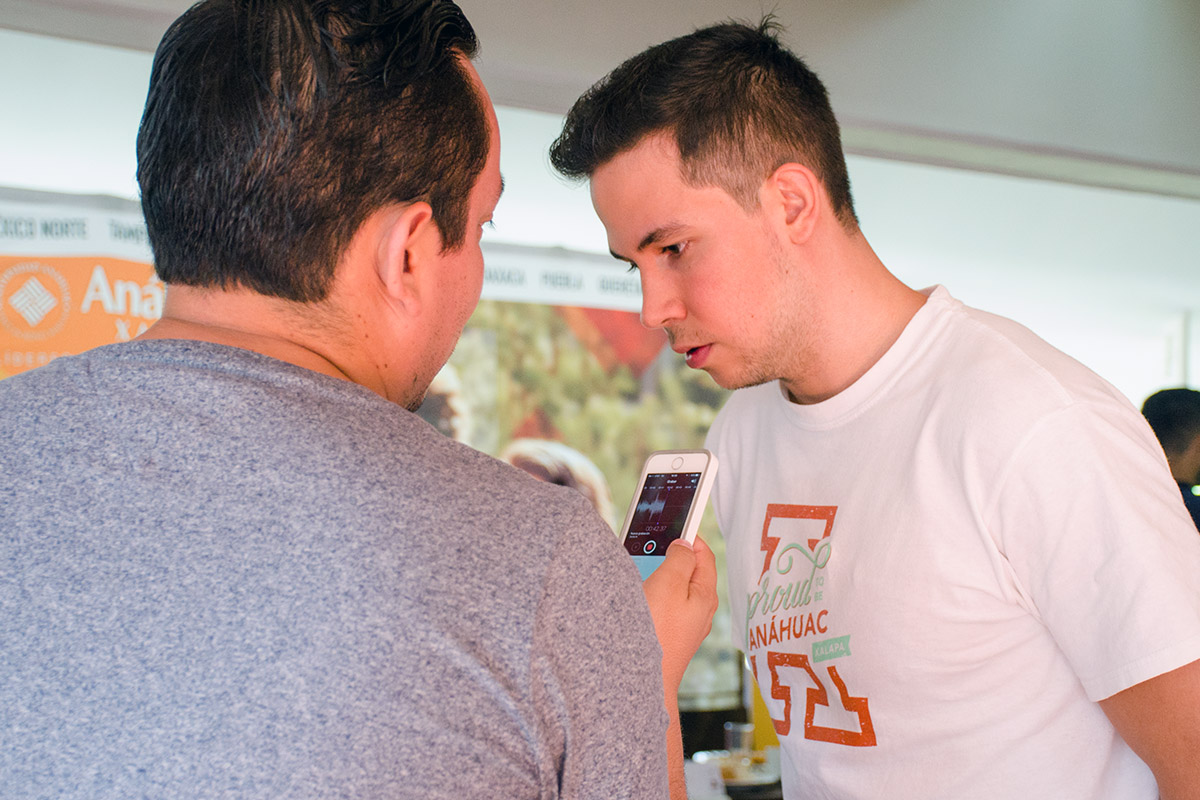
[
  {"x": 793, "y": 193},
  {"x": 409, "y": 242}
]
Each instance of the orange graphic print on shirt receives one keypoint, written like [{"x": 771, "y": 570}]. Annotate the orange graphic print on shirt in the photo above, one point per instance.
[{"x": 786, "y": 622}]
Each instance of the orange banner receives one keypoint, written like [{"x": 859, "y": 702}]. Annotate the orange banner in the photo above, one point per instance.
[
  {"x": 75, "y": 273},
  {"x": 52, "y": 306}
]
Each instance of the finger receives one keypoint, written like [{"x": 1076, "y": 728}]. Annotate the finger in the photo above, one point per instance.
[{"x": 679, "y": 562}]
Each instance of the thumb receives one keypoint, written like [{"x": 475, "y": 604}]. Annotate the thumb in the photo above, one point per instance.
[{"x": 679, "y": 562}]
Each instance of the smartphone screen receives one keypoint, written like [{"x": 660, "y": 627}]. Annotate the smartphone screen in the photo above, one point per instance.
[{"x": 659, "y": 516}]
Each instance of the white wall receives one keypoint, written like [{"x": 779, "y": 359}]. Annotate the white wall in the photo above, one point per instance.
[
  {"x": 69, "y": 114},
  {"x": 1111, "y": 277}
]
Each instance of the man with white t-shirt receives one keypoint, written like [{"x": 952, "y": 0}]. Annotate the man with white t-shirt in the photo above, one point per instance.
[{"x": 958, "y": 565}]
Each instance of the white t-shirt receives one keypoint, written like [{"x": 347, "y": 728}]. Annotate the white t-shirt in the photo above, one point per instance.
[{"x": 937, "y": 572}]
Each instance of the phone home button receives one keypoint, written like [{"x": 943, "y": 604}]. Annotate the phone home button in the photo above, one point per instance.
[{"x": 677, "y": 463}]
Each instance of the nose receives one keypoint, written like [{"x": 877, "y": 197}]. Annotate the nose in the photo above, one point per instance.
[{"x": 661, "y": 303}]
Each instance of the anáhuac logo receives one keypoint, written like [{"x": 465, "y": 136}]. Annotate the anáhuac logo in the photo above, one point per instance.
[{"x": 34, "y": 301}]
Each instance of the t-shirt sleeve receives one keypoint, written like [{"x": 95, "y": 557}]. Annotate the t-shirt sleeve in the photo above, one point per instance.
[
  {"x": 597, "y": 671},
  {"x": 1101, "y": 546}
]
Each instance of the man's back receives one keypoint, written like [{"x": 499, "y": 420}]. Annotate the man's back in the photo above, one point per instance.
[{"x": 229, "y": 576}]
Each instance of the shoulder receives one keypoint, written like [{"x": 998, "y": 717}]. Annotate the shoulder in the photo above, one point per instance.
[
  {"x": 47, "y": 405},
  {"x": 1000, "y": 381},
  {"x": 53, "y": 377},
  {"x": 1013, "y": 364}
]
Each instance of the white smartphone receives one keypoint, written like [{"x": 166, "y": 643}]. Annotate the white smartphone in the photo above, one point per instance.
[{"x": 667, "y": 505}]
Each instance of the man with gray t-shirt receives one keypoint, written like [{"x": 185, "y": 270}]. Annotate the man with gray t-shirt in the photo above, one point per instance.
[{"x": 234, "y": 562}]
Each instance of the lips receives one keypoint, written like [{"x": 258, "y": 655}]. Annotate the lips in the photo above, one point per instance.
[{"x": 697, "y": 356}]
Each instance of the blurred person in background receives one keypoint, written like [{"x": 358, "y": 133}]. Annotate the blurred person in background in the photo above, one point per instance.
[
  {"x": 557, "y": 463},
  {"x": 1174, "y": 415}
]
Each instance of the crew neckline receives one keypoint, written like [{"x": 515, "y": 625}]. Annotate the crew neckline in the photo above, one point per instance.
[
  {"x": 863, "y": 393},
  {"x": 218, "y": 355}
]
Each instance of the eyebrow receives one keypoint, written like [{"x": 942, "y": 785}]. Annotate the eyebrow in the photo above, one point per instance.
[{"x": 659, "y": 234}]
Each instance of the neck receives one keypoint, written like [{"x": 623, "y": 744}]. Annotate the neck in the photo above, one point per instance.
[
  {"x": 863, "y": 309},
  {"x": 251, "y": 321}
]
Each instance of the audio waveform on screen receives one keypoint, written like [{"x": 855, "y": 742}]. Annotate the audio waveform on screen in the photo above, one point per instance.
[{"x": 655, "y": 506}]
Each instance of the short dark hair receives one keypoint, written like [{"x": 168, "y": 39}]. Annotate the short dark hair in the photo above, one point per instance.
[
  {"x": 274, "y": 128},
  {"x": 738, "y": 103},
  {"x": 1174, "y": 415}
]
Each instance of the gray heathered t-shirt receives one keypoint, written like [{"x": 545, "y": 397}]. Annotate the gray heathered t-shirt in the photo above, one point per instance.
[{"x": 225, "y": 576}]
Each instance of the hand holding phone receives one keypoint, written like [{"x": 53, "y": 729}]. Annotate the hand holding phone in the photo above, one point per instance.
[
  {"x": 682, "y": 597},
  {"x": 668, "y": 504}
]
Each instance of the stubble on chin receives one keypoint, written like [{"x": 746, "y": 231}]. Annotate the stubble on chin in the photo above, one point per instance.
[
  {"x": 744, "y": 381},
  {"x": 748, "y": 376}
]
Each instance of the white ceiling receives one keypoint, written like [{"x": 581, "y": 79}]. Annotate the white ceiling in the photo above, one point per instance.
[
  {"x": 1101, "y": 92},
  {"x": 1109, "y": 276}
]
